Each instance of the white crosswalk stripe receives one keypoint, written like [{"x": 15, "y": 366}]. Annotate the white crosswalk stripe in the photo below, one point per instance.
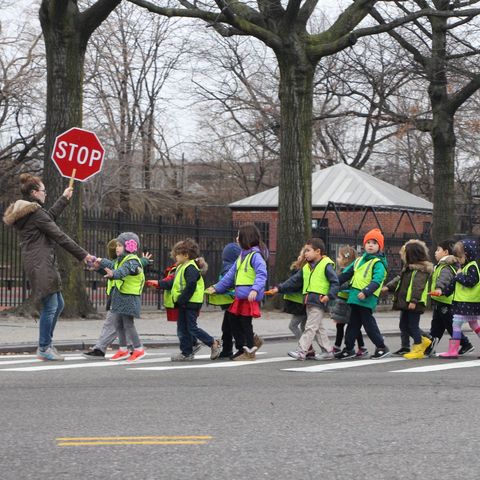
[
  {"x": 216, "y": 365},
  {"x": 160, "y": 362},
  {"x": 439, "y": 368},
  {"x": 326, "y": 367}
]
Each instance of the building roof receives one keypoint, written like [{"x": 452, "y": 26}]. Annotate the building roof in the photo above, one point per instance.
[{"x": 346, "y": 186}]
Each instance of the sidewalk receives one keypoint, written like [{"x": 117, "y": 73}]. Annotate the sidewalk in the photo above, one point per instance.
[{"x": 19, "y": 335}]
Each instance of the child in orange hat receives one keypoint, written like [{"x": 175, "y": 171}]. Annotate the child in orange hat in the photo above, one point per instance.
[{"x": 366, "y": 276}]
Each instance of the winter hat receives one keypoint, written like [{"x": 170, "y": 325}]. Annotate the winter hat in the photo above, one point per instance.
[
  {"x": 111, "y": 249},
  {"x": 229, "y": 256},
  {"x": 470, "y": 247},
  {"x": 374, "y": 234},
  {"x": 130, "y": 241}
]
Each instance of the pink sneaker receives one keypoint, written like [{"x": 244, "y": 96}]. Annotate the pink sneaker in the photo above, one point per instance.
[
  {"x": 136, "y": 354},
  {"x": 120, "y": 355}
]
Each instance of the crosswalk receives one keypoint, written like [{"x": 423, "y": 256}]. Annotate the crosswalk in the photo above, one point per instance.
[{"x": 160, "y": 362}]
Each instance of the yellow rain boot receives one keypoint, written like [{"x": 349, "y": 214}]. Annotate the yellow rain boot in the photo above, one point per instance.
[
  {"x": 426, "y": 342},
  {"x": 416, "y": 352}
]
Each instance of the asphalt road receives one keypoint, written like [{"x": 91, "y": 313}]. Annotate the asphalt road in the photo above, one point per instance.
[{"x": 355, "y": 419}]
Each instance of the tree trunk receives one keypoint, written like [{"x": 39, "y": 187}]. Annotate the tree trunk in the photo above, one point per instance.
[
  {"x": 443, "y": 136},
  {"x": 295, "y": 186},
  {"x": 65, "y": 51}
]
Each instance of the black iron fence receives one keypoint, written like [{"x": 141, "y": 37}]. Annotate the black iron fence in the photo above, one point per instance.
[{"x": 157, "y": 236}]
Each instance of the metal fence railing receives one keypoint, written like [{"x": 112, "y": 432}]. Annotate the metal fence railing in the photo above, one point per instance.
[{"x": 157, "y": 236}]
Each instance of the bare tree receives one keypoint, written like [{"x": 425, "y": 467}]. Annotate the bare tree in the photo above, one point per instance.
[
  {"x": 446, "y": 53},
  {"x": 298, "y": 52},
  {"x": 21, "y": 103},
  {"x": 130, "y": 60},
  {"x": 66, "y": 32}
]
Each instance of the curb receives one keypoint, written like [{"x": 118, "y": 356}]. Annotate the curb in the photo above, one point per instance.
[{"x": 86, "y": 344}]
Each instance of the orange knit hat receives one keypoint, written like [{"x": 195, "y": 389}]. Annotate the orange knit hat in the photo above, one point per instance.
[{"x": 374, "y": 234}]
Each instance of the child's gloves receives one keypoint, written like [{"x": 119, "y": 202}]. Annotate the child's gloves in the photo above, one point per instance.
[
  {"x": 272, "y": 291},
  {"x": 152, "y": 283}
]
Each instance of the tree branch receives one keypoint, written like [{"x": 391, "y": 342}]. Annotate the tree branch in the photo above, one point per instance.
[
  {"x": 93, "y": 16},
  {"x": 457, "y": 100}
]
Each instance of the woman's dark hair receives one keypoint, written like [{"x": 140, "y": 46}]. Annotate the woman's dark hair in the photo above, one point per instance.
[
  {"x": 415, "y": 252},
  {"x": 447, "y": 245},
  {"x": 187, "y": 247},
  {"x": 28, "y": 183},
  {"x": 317, "y": 244}
]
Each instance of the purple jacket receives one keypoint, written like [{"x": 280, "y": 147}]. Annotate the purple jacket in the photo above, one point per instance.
[{"x": 260, "y": 267}]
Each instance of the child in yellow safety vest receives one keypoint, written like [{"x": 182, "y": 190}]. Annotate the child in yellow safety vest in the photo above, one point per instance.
[
  {"x": 125, "y": 285},
  {"x": 366, "y": 276},
  {"x": 318, "y": 283},
  {"x": 340, "y": 310},
  {"x": 442, "y": 315},
  {"x": 109, "y": 329},
  {"x": 411, "y": 293},
  {"x": 465, "y": 286},
  {"x": 294, "y": 304},
  {"x": 187, "y": 289},
  {"x": 248, "y": 275},
  {"x": 230, "y": 254}
]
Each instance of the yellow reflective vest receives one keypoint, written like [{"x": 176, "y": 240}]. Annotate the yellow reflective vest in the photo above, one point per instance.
[
  {"x": 363, "y": 275},
  {"x": 436, "y": 273},
  {"x": 131, "y": 284},
  {"x": 315, "y": 280},
  {"x": 408, "y": 298},
  {"x": 179, "y": 284},
  {"x": 467, "y": 294},
  {"x": 245, "y": 274}
]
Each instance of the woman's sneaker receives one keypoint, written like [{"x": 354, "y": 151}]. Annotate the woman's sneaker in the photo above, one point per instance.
[
  {"x": 381, "y": 353},
  {"x": 120, "y": 355},
  {"x": 196, "y": 348},
  {"x": 49, "y": 355}
]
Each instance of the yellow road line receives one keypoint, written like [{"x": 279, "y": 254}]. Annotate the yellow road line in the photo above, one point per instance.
[
  {"x": 141, "y": 442},
  {"x": 163, "y": 437}
]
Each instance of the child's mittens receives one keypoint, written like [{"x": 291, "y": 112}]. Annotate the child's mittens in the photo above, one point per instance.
[{"x": 151, "y": 283}]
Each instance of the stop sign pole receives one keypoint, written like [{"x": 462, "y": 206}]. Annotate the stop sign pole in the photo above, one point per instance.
[{"x": 78, "y": 154}]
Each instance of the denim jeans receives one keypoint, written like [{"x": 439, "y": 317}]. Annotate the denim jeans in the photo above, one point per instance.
[
  {"x": 187, "y": 329},
  {"x": 409, "y": 324},
  {"x": 362, "y": 316},
  {"x": 52, "y": 306}
]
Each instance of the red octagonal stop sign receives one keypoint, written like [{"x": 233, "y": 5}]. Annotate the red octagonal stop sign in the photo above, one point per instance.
[{"x": 80, "y": 150}]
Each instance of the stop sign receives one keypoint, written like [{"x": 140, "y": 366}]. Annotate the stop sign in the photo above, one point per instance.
[{"x": 80, "y": 150}]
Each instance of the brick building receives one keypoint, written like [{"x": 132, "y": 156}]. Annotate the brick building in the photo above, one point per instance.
[{"x": 346, "y": 203}]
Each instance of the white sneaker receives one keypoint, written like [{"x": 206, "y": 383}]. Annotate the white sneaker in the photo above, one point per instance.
[
  {"x": 49, "y": 355},
  {"x": 325, "y": 356},
  {"x": 297, "y": 354}
]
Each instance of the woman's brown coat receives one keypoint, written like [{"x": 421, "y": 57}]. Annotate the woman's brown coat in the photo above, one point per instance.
[{"x": 38, "y": 235}]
